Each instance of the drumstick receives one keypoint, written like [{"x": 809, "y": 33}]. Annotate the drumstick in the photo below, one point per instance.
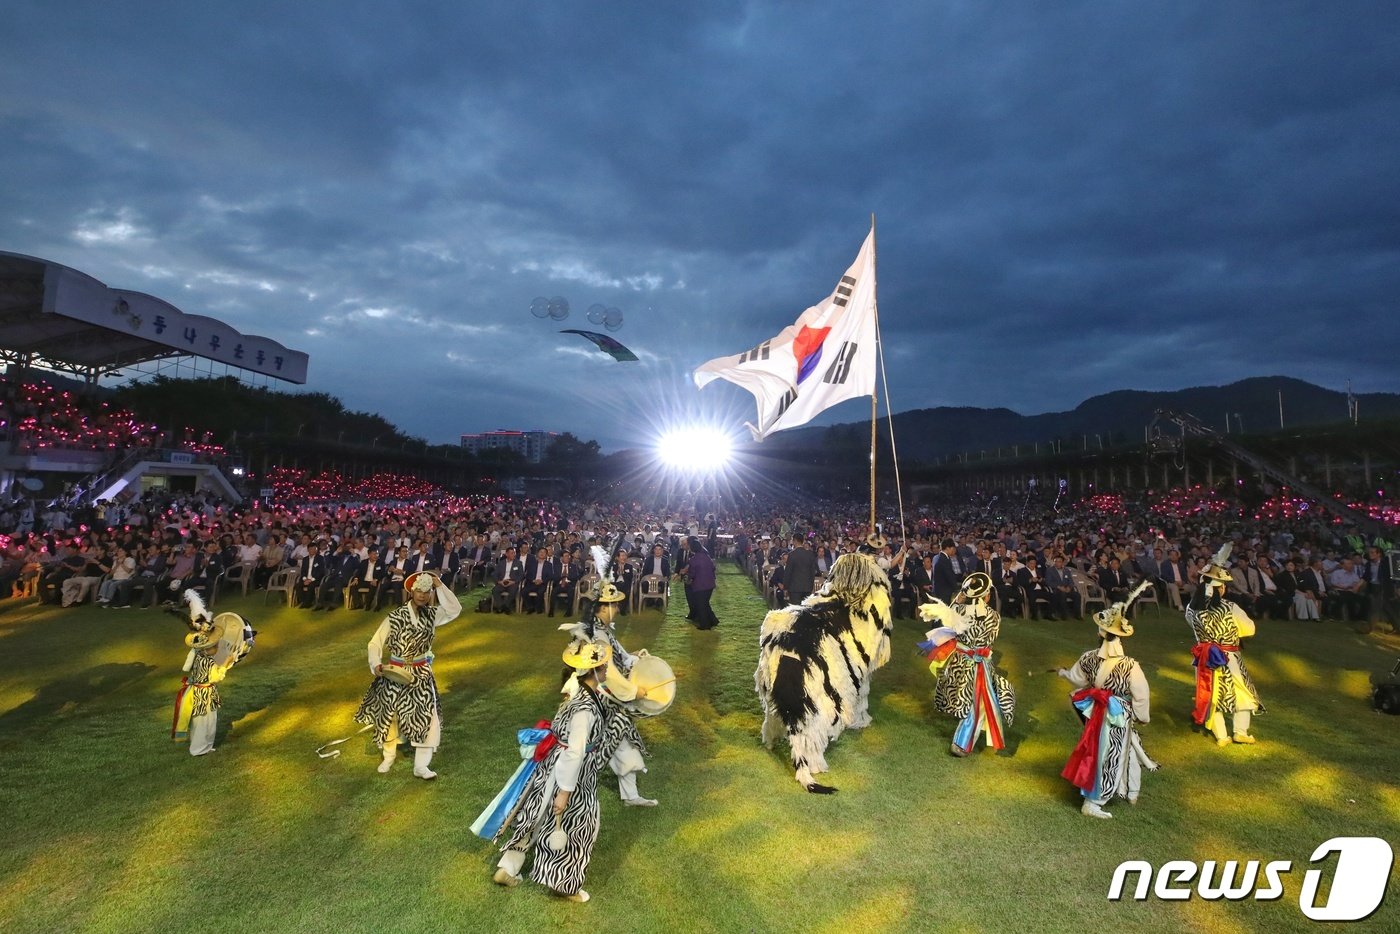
[{"x": 661, "y": 685}]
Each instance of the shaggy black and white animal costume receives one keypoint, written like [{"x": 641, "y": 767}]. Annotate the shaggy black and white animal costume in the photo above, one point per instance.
[{"x": 815, "y": 663}]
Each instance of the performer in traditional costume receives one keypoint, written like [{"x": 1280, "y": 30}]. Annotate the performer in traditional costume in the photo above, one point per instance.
[
  {"x": 815, "y": 662},
  {"x": 619, "y": 690},
  {"x": 960, "y": 652},
  {"x": 402, "y": 700},
  {"x": 1223, "y": 684},
  {"x": 557, "y": 818},
  {"x": 1112, "y": 698},
  {"x": 217, "y": 643}
]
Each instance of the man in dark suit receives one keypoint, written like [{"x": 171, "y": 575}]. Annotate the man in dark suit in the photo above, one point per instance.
[
  {"x": 310, "y": 572},
  {"x": 1114, "y": 583},
  {"x": 1172, "y": 575},
  {"x": 206, "y": 570},
  {"x": 1312, "y": 584},
  {"x": 566, "y": 575},
  {"x": 479, "y": 554},
  {"x": 902, "y": 592},
  {"x": 657, "y": 562},
  {"x": 421, "y": 559},
  {"x": 395, "y": 571},
  {"x": 947, "y": 572},
  {"x": 510, "y": 571},
  {"x": 777, "y": 585},
  {"x": 1059, "y": 586},
  {"x": 1379, "y": 590},
  {"x": 919, "y": 579},
  {"x": 447, "y": 562},
  {"x": 622, "y": 574},
  {"x": 370, "y": 577},
  {"x": 1285, "y": 586},
  {"x": 800, "y": 571},
  {"x": 1145, "y": 563},
  {"x": 1031, "y": 581},
  {"x": 983, "y": 561},
  {"x": 480, "y": 551},
  {"x": 539, "y": 571},
  {"x": 340, "y": 568}
]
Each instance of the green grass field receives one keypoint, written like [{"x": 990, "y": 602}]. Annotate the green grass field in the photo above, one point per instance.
[{"x": 113, "y": 827}]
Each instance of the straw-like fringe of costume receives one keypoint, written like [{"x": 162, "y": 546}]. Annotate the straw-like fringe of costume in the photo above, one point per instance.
[{"x": 816, "y": 660}]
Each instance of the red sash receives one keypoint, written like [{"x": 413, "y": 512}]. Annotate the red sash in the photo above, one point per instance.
[
  {"x": 1082, "y": 769},
  {"x": 1205, "y": 674},
  {"x": 543, "y": 747},
  {"x": 941, "y": 653},
  {"x": 179, "y": 696},
  {"x": 982, "y": 698}
]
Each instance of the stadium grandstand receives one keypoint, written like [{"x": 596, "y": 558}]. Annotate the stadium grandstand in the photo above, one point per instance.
[{"x": 61, "y": 332}]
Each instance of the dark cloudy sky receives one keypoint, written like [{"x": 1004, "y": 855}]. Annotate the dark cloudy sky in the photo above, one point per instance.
[{"x": 1071, "y": 197}]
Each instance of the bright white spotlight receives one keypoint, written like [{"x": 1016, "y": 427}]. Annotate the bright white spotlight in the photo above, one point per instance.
[{"x": 694, "y": 448}]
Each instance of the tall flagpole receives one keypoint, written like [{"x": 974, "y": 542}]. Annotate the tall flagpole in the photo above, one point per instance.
[{"x": 874, "y": 387}]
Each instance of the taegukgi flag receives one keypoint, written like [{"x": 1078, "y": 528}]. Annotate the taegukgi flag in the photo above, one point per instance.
[{"x": 826, "y": 357}]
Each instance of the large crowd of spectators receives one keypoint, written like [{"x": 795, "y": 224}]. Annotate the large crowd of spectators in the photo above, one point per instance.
[
  {"x": 1053, "y": 559},
  {"x": 292, "y": 485},
  {"x": 39, "y": 416}
]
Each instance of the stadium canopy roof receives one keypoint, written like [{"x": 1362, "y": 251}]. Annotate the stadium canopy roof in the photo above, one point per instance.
[{"x": 57, "y": 317}]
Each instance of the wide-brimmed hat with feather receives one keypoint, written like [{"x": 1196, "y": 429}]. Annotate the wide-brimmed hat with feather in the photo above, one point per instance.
[{"x": 1219, "y": 567}]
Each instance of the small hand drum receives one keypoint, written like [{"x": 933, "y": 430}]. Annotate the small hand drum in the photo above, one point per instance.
[
  {"x": 398, "y": 674},
  {"x": 654, "y": 676}
]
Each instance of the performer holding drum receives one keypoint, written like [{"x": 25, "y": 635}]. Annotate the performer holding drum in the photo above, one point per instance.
[
  {"x": 554, "y": 817},
  {"x": 217, "y": 643},
  {"x": 605, "y": 689},
  {"x": 402, "y": 700},
  {"x": 637, "y": 685}
]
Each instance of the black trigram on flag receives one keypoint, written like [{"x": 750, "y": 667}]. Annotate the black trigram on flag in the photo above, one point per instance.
[
  {"x": 785, "y": 402},
  {"x": 843, "y": 291},
  {"x": 758, "y": 353},
  {"x": 841, "y": 367}
]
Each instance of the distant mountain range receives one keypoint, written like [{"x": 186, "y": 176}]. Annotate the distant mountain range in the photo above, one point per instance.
[{"x": 1252, "y": 404}]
